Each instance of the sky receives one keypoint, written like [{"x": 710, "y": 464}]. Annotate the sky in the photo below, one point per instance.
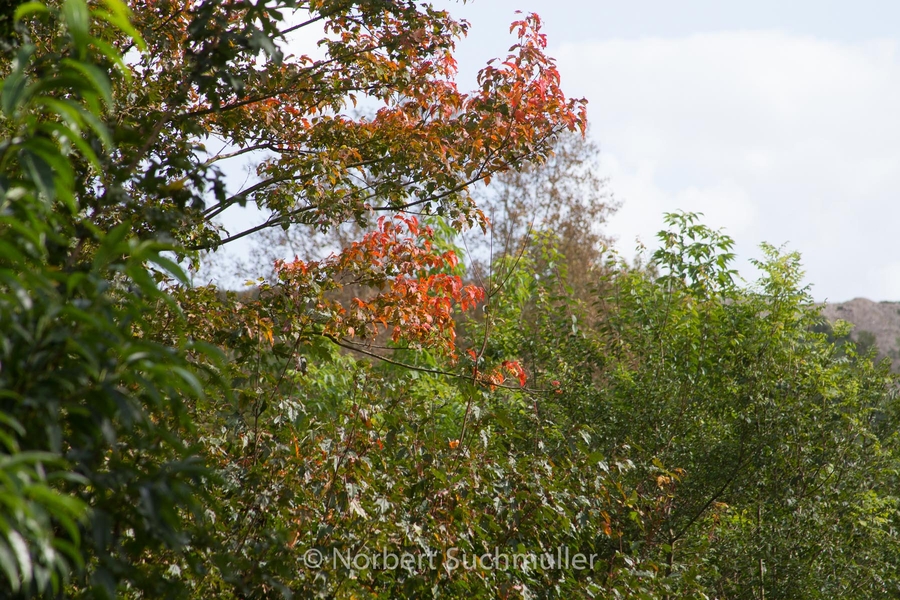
[{"x": 780, "y": 121}]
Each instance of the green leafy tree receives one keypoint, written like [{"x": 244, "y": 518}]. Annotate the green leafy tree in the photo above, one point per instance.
[
  {"x": 772, "y": 445},
  {"x": 96, "y": 468}
]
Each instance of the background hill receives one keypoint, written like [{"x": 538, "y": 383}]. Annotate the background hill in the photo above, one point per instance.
[{"x": 875, "y": 324}]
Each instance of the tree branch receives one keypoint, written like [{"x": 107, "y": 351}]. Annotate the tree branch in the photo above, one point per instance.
[{"x": 397, "y": 363}]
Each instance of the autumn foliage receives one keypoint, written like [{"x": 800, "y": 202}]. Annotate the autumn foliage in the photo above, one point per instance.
[
  {"x": 419, "y": 144},
  {"x": 161, "y": 437},
  {"x": 416, "y": 292}
]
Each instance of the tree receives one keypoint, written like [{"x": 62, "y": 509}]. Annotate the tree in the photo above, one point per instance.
[
  {"x": 564, "y": 197},
  {"x": 95, "y": 463},
  {"x": 201, "y": 80},
  {"x": 105, "y": 169},
  {"x": 774, "y": 450}
]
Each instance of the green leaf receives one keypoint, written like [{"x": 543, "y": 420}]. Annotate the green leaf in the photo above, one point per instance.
[
  {"x": 77, "y": 141},
  {"x": 69, "y": 111},
  {"x": 113, "y": 55},
  {"x": 171, "y": 267},
  {"x": 27, "y": 458},
  {"x": 15, "y": 88},
  {"x": 76, "y": 116},
  {"x": 60, "y": 175},
  {"x": 70, "y": 550},
  {"x": 62, "y": 503},
  {"x": 11, "y": 422},
  {"x": 23, "y": 556},
  {"x": 119, "y": 19},
  {"x": 39, "y": 172},
  {"x": 190, "y": 379},
  {"x": 9, "y": 566},
  {"x": 77, "y": 17},
  {"x": 30, "y": 8},
  {"x": 112, "y": 247},
  {"x": 97, "y": 125},
  {"x": 95, "y": 76}
]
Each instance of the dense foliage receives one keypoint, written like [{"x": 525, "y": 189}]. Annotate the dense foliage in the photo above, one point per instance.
[{"x": 688, "y": 435}]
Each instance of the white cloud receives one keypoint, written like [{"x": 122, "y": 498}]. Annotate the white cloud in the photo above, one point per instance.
[{"x": 775, "y": 137}]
